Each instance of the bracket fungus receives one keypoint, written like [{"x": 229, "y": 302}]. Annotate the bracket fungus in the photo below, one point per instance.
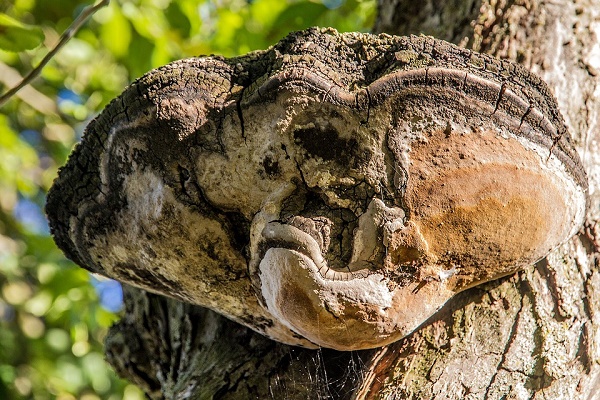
[{"x": 334, "y": 190}]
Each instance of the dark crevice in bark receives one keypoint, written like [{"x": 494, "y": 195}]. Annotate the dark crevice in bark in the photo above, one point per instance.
[
  {"x": 550, "y": 276},
  {"x": 538, "y": 380},
  {"x": 240, "y": 114},
  {"x": 510, "y": 339}
]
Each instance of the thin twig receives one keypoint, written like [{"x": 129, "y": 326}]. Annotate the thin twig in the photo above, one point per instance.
[{"x": 64, "y": 38}]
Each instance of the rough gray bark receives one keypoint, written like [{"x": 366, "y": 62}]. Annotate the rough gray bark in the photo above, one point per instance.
[{"x": 531, "y": 335}]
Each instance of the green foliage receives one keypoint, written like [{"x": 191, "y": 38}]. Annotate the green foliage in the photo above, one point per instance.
[
  {"x": 15, "y": 36},
  {"x": 51, "y": 320}
]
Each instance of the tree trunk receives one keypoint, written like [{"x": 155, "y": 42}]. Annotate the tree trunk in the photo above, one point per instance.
[{"x": 535, "y": 334}]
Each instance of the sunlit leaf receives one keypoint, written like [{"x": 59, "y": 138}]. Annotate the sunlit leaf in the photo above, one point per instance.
[
  {"x": 178, "y": 19},
  {"x": 16, "y": 36},
  {"x": 297, "y": 16},
  {"x": 116, "y": 33}
]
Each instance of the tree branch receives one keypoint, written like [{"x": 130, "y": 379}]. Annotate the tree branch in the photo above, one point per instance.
[{"x": 64, "y": 38}]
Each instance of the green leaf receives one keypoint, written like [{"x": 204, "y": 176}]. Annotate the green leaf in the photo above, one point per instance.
[
  {"x": 301, "y": 15},
  {"x": 116, "y": 33},
  {"x": 178, "y": 20},
  {"x": 16, "y": 36}
]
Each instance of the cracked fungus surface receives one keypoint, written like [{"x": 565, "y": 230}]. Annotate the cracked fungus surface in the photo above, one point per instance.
[{"x": 335, "y": 190}]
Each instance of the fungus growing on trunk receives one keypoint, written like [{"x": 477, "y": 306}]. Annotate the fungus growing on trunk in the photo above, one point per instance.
[{"x": 335, "y": 190}]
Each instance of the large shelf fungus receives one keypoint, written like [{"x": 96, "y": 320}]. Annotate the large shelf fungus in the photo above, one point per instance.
[{"x": 335, "y": 190}]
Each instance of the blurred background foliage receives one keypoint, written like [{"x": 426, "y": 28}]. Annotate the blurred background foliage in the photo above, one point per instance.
[{"x": 54, "y": 315}]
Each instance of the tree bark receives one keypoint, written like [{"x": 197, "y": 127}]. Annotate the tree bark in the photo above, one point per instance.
[{"x": 535, "y": 334}]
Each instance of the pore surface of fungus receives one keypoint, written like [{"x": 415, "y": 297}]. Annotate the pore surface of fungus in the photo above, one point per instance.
[{"x": 334, "y": 190}]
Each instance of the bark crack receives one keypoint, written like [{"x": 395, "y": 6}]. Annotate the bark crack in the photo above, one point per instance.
[{"x": 512, "y": 336}]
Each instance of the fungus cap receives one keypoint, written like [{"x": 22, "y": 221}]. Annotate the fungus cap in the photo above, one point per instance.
[{"x": 335, "y": 190}]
